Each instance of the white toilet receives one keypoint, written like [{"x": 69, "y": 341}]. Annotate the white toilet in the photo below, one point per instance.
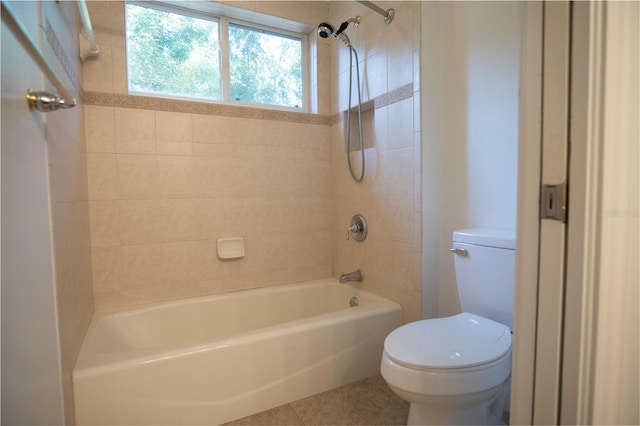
[{"x": 456, "y": 370}]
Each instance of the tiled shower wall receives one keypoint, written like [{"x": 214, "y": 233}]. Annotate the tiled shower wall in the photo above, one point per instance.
[
  {"x": 165, "y": 185},
  {"x": 389, "y": 195},
  {"x": 167, "y": 178},
  {"x": 67, "y": 170}
]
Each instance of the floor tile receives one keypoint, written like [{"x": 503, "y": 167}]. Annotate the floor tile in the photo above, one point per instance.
[
  {"x": 283, "y": 415},
  {"x": 367, "y": 402},
  {"x": 362, "y": 403}
]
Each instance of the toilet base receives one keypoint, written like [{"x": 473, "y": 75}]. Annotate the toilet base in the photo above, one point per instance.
[
  {"x": 483, "y": 408},
  {"x": 422, "y": 415}
]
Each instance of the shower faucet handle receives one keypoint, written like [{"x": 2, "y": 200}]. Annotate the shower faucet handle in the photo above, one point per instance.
[{"x": 357, "y": 228}]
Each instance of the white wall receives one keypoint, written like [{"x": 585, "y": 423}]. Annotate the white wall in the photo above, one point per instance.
[
  {"x": 470, "y": 71},
  {"x": 31, "y": 381}
]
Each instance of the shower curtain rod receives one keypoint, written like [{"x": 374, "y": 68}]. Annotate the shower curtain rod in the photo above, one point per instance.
[
  {"x": 388, "y": 14},
  {"x": 88, "y": 47}
]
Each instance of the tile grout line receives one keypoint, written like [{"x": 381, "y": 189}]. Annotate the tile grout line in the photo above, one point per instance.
[{"x": 297, "y": 415}]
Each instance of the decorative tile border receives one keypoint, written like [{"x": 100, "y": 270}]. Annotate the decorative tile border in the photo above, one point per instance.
[
  {"x": 62, "y": 56},
  {"x": 194, "y": 107},
  {"x": 397, "y": 95}
]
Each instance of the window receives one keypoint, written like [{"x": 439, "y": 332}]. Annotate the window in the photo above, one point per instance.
[
  {"x": 171, "y": 54},
  {"x": 177, "y": 53},
  {"x": 265, "y": 67}
]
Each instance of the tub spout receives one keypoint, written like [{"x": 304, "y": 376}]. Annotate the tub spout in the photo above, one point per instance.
[{"x": 351, "y": 276}]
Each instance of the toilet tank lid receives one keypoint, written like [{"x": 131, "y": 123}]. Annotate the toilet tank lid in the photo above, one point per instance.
[{"x": 499, "y": 238}]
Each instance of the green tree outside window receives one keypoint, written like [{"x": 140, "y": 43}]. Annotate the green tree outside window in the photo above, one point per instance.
[
  {"x": 172, "y": 54},
  {"x": 265, "y": 68},
  {"x": 176, "y": 55}
]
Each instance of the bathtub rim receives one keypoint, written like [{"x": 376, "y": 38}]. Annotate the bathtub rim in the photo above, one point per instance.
[{"x": 88, "y": 365}]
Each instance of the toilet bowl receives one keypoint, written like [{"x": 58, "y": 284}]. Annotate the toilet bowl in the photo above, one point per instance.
[
  {"x": 457, "y": 369},
  {"x": 455, "y": 373}
]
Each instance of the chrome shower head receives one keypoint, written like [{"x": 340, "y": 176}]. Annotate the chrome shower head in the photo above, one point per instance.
[{"x": 325, "y": 30}]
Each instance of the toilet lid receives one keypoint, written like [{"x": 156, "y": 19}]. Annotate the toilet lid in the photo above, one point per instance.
[{"x": 462, "y": 340}]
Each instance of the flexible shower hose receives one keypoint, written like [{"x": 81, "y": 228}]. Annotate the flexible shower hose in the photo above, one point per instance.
[{"x": 352, "y": 53}]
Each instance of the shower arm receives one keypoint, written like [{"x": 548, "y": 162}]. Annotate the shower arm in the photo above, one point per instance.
[{"x": 388, "y": 14}]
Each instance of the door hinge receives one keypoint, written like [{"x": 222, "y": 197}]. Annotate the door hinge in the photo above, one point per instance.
[{"x": 553, "y": 202}]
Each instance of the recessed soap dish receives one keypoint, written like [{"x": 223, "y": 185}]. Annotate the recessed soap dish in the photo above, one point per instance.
[{"x": 230, "y": 248}]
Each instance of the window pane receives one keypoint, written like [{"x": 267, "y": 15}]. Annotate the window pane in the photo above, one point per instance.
[
  {"x": 172, "y": 54},
  {"x": 265, "y": 67}
]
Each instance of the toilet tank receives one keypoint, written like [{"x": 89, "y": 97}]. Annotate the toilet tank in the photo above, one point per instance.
[{"x": 485, "y": 272}]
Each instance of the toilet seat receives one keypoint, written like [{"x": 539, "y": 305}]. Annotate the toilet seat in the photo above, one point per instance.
[
  {"x": 457, "y": 355},
  {"x": 456, "y": 342}
]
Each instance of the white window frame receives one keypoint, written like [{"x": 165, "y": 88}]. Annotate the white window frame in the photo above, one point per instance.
[{"x": 223, "y": 28}]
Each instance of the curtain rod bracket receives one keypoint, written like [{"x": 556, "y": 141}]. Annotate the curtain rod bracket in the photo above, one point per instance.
[
  {"x": 387, "y": 14},
  {"x": 87, "y": 50}
]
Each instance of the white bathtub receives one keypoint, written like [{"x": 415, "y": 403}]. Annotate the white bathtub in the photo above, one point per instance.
[{"x": 213, "y": 359}]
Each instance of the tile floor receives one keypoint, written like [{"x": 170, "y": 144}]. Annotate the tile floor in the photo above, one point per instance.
[{"x": 367, "y": 402}]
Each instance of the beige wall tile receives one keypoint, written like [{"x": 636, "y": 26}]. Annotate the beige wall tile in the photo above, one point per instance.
[
  {"x": 174, "y": 177},
  {"x": 106, "y": 269},
  {"x": 119, "y": 69},
  {"x": 143, "y": 265},
  {"x": 175, "y": 148},
  {"x": 104, "y": 301},
  {"x": 137, "y": 176},
  {"x": 102, "y": 176},
  {"x": 97, "y": 75},
  {"x": 150, "y": 221},
  {"x": 211, "y": 217},
  {"x": 400, "y": 123},
  {"x": 104, "y": 216},
  {"x": 188, "y": 261},
  {"x": 210, "y": 150},
  {"x": 135, "y": 131},
  {"x": 211, "y": 175},
  {"x": 245, "y": 217},
  {"x": 376, "y": 81},
  {"x": 324, "y": 78},
  {"x": 210, "y": 129},
  {"x": 400, "y": 45},
  {"x": 100, "y": 14},
  {"x": 116, "y": 16},
  {"x": 100, "y": 129},
  {"x": 140, "y": 221},
  {"x": 177, "y": 220},
  {"x": 174, "y": 126},
  {"x": 398, "y": 172}
]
